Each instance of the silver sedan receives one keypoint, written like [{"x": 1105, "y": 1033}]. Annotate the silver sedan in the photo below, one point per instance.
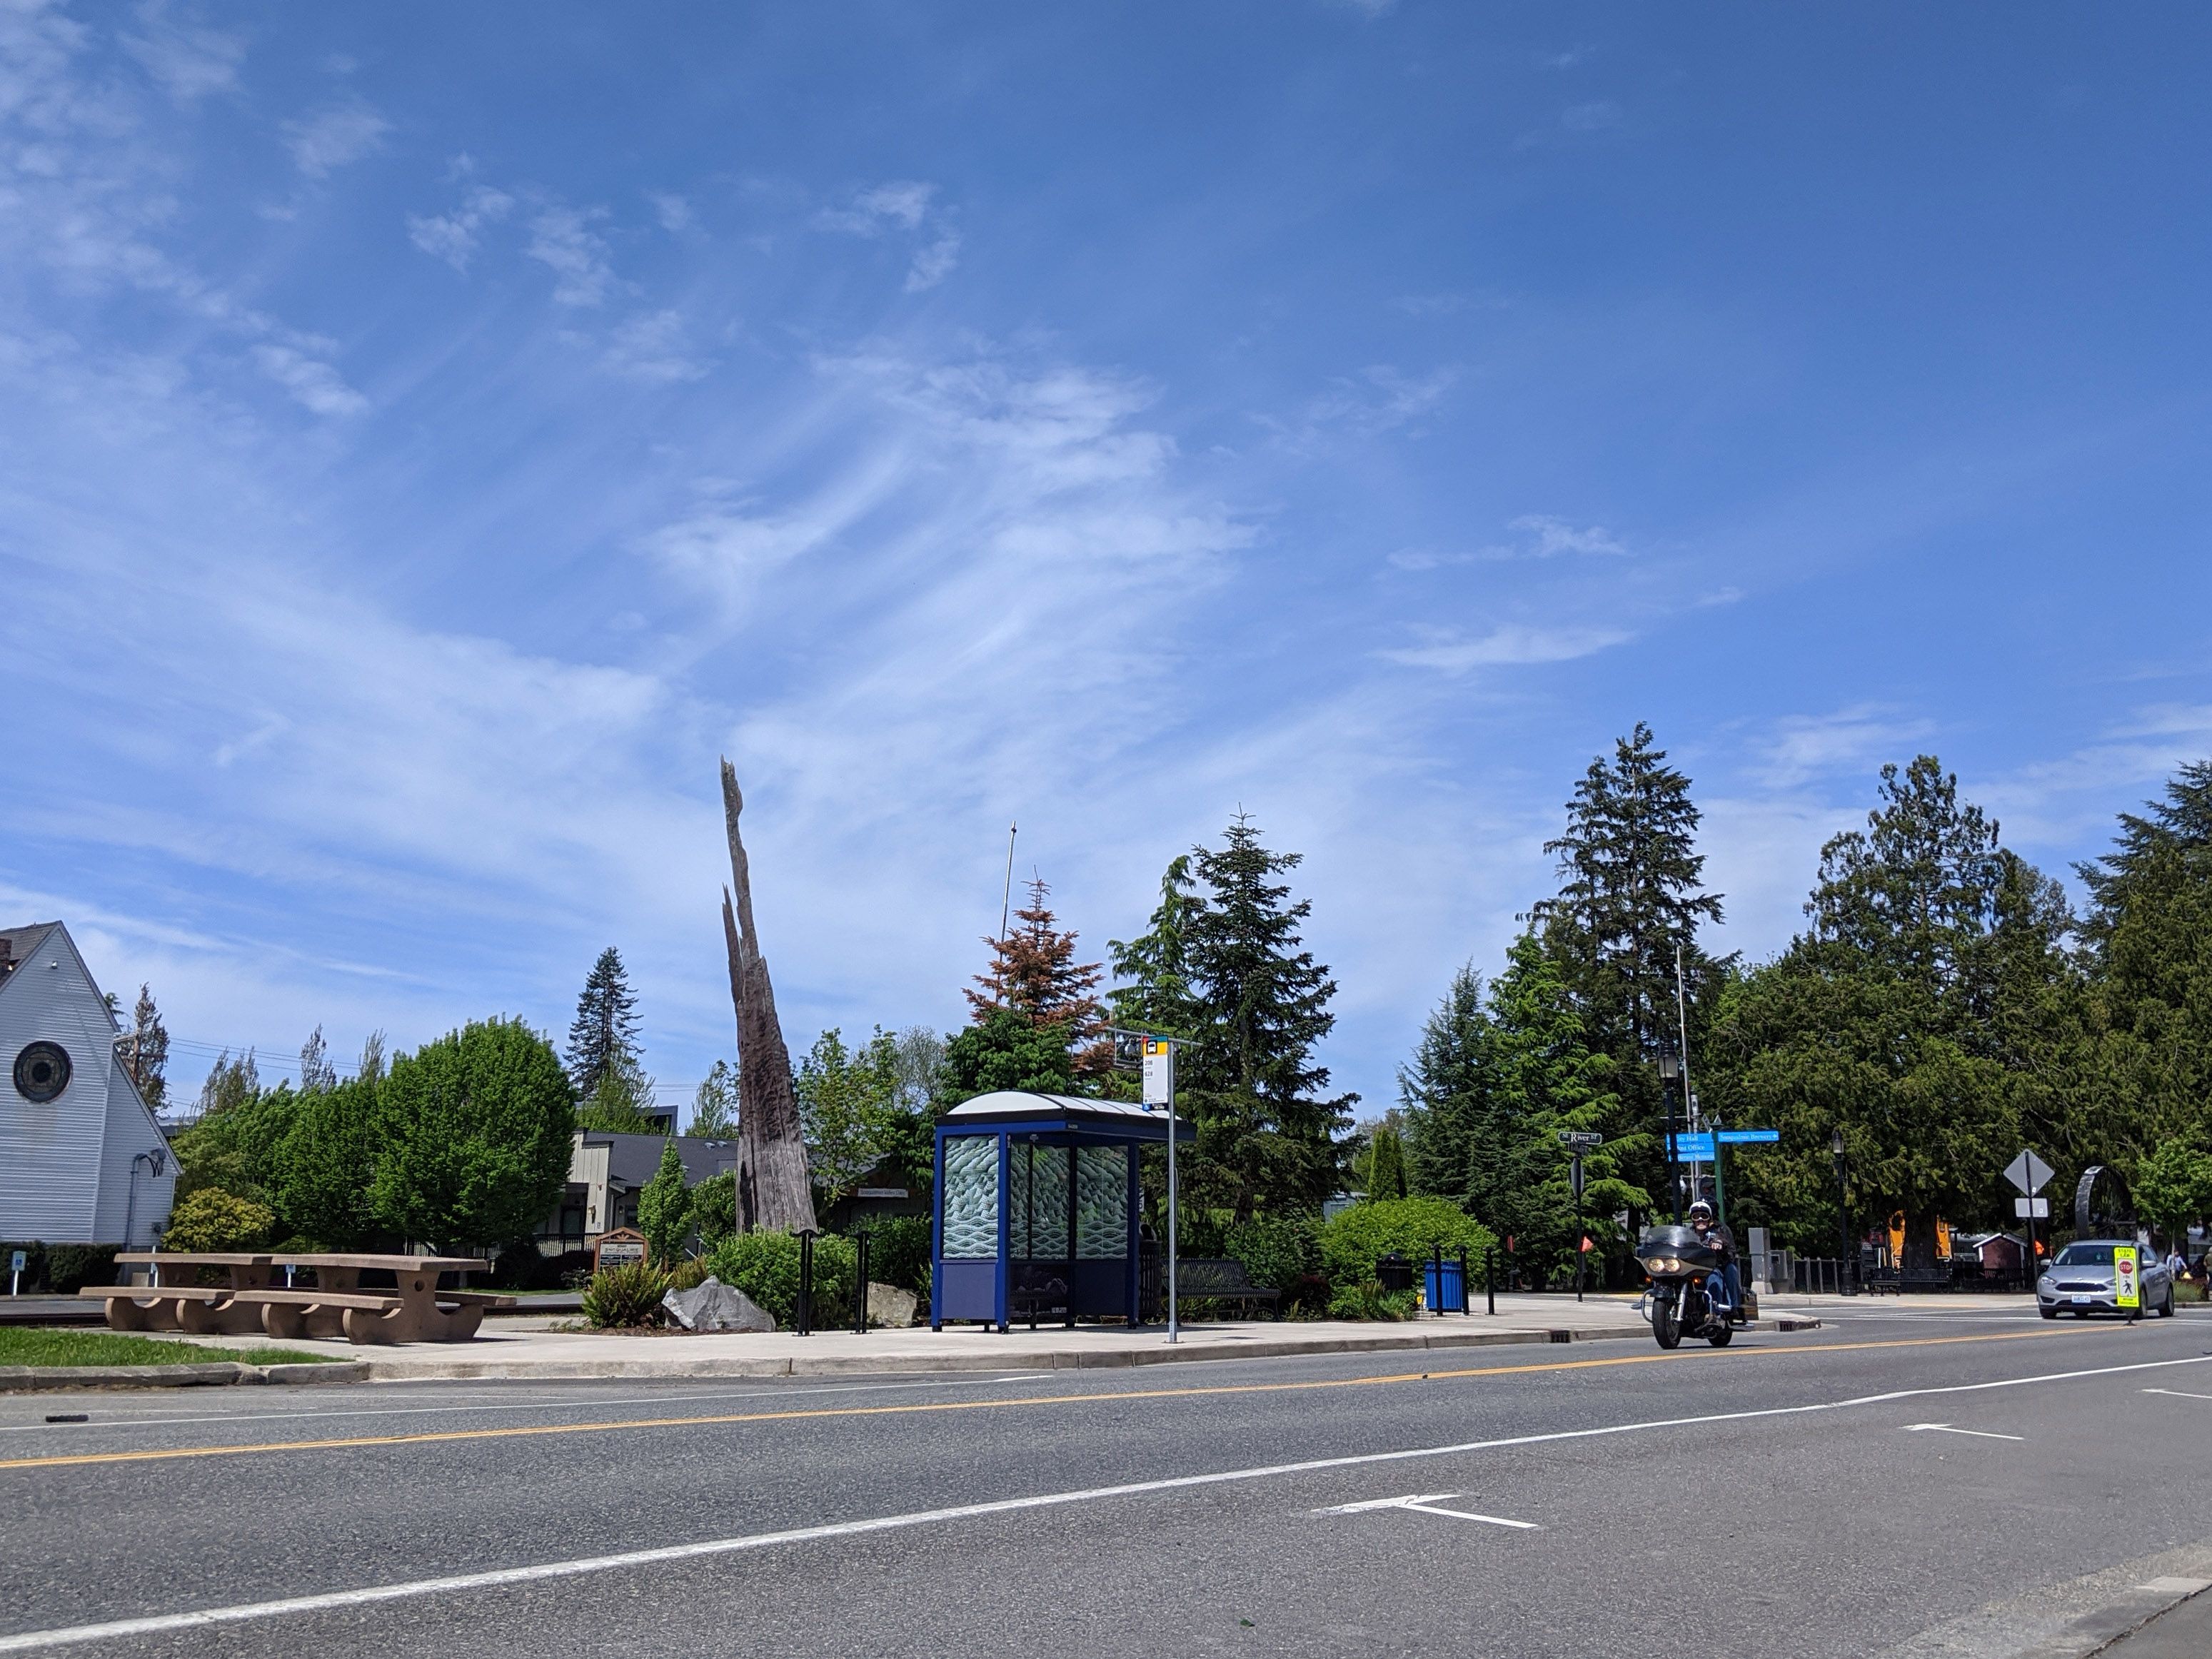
[{"x": 2080, "y": 1282}]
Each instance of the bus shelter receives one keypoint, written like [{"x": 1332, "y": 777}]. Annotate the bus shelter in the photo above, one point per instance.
[{"x": 1037, "y": 1208}]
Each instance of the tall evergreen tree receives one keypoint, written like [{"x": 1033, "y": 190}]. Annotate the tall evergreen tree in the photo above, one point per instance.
[
  {"x": 1632, "y": 893},
  {"x": 1444, "y": 1093},
  {"x": 1033, "y": 971},
  {"x": 1224, "y": 965},
  {"x": 145, "y": 1051},
  {"x": 604, "y": 1032}
]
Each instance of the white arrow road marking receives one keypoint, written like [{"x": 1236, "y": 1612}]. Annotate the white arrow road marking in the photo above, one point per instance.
[
  {"x": 1426, "y": 1502},
  {"x": 2178, "y": 1393},
  {"x": 1945, "y": 1428}
]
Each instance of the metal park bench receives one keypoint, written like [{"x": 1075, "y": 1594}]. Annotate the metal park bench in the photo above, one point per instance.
[
  {"x": 1208, "y": 1280},
  {"x": 414, "y": 1310}
]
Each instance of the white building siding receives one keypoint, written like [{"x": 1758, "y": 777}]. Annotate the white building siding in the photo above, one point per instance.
[
  {"x": 131, "y": 1131},
  {"x": 64, "y": 1163}
]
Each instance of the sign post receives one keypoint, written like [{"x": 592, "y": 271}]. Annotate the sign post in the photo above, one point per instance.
[
  {"x": 1159, "y": 1091},
  {"x": 2028, "y": 1173},
  {"x": 16, "y": 1261},
  {"x": 1582, "y": 1245}
]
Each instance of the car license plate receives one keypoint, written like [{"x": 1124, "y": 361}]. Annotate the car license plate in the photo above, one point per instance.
[{"x": 2082, "y": 1298}]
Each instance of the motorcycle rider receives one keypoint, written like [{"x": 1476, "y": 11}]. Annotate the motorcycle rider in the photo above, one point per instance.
[{"x": 1717, "y": 1238}]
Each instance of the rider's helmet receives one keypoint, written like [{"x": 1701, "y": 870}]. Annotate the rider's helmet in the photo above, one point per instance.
[{"x": 1701, "y": 1211}]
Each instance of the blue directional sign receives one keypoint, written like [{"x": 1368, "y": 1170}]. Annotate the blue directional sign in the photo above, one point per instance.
[
  {"x": 1693, "y": 1149},
  {"x": 1749, "y": 1137}
]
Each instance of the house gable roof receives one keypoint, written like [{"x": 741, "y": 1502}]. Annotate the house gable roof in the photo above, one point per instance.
[{"x": 19, "y": 944}]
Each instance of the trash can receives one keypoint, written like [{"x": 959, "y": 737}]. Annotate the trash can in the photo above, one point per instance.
[
  {"x": 1394, "y": 1272},
  {"x": 1446, "y": 1283}
]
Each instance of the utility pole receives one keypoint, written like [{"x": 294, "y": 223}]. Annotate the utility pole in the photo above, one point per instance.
[
  {"x": 1006, "y": 898},
  {"x": 1689, "y": 1098}
]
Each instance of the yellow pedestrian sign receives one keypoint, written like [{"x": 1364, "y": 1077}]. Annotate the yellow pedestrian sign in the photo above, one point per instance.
[{"x": 2127, "y": 1284}]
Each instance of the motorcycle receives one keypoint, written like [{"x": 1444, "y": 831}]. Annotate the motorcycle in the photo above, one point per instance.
[{"x": 1689, "y": 1295}]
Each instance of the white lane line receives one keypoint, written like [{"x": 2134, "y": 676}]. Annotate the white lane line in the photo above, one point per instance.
[
  {"x": 2177, "y": 1393},
  {"x": 1945, "y": 1428},
  {"x": 1430, "y": 1503},
  {"x": 207, "y": 1617},
  {"x": 537, "y": 1404}
]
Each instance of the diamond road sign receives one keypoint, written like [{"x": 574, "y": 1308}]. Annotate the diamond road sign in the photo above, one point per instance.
[{"x": 2027, "y": 1172}]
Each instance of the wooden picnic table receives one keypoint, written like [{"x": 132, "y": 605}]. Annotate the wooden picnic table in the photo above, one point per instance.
[{"x": 256, "y": 1298}]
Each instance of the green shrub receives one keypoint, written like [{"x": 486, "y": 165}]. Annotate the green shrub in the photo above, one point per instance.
[
  {"x": 687, "y": 1274},
  {"x": 1352, "y": 1243},
  {"x": 765, "y": 1267},
  {"x": 2185, "y": 1290},
  {"x": 714, "y": 1209},
  {"x": 213, "y": 1219},
  {"x": 1278, "y": 1251},
  {"x": 625, "y": 1296},
  {"x": 1367, "y": 1299},
  {"x": 898, "y": 1251},
  {"x": 70, "y": 1267}
]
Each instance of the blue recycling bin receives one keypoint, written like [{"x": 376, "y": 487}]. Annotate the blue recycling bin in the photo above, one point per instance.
[{"x": 1446, "y": 1283}]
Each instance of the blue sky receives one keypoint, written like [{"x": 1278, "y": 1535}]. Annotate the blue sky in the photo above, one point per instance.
[{"x": 431, "y": 435}]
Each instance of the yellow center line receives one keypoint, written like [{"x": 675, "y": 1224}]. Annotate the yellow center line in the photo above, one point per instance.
[{"x": 920, "y": 1407}]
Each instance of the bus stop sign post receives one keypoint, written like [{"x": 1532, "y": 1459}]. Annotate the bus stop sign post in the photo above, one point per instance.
[{"x": 1159, "y": 1091}]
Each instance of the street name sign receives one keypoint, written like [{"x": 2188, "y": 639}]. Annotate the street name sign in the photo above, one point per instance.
[
  {"x": 2027, "y": 1172},
  {"x": 1581, "y": 1138},
  {"x": 1693, "y": 1149},
  {"x": 1749, "y": 1137}
]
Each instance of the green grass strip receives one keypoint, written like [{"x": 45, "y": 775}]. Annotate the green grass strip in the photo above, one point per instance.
[{"x": 29, "y": 1347}]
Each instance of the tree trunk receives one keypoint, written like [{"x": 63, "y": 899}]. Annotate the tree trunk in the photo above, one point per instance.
[{"x": 772, "y": 1190}]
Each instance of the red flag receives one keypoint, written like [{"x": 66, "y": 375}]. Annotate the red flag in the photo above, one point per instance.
[{"x": 1586, "y": 1241}]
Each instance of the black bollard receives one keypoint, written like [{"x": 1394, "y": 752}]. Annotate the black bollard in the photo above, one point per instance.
[
  {"x": 860, "y": 1285},
  {"x": 1466, "y": 1286},
  {"x": 804, "y": 1317},
  {"x": 1490, "y": 1278}
]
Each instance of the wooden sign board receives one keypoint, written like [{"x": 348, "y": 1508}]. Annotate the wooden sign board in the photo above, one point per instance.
[{"x": 625, "y": 1247}]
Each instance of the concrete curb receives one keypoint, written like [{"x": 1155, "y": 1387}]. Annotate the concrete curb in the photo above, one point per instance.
[
  {"x": 987, "y": 1355},
  {"x": 32, "y": 1379}
]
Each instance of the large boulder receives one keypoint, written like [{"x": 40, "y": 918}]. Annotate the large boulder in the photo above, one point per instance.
[
  {"x": 890, "y": 1305},
  {"x": 715, "y": 1306}
]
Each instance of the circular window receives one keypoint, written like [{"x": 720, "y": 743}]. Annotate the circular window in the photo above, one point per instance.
[{"x": 42, "y": 1071}]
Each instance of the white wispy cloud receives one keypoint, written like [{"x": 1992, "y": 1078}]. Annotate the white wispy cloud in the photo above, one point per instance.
[
  {"x": 1450, "y": 651},
  {"x": 654, "y": 347},
  {"x": 189, "y": 60},
  {"x": 1552, "y": 537},
  {"x": 314, "y": 384},
  {"x": 902, "y": 205},
  {"x": 933, "y": 264},
  {"x": 453, "y": 236},
  {"x": 335, "y": 136},
  {"x": 562, "y": 238},
  {"x": 1858, "y": 739},
  {"x": 672, "y": 211}
]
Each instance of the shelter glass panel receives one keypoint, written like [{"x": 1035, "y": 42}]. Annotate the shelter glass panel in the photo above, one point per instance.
[
  {"x": 1102, "y": 1203},
  {"x": 971, "y": 1196},
  {"x": 1037, "y": 1217}
]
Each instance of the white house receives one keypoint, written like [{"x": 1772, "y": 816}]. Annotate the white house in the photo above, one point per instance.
[{"x": 82, "y": 1159}]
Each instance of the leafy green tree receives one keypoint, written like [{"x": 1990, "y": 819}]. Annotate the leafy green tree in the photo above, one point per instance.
[
  {"x": 604, "y": 1032},
  {"x": 1378, "y": 1167},
  {"x": 715, "y": 1208},
  {"x": 327, "y": 1158},
  {"x": 473, "y": 1133},
  {"x": 664, "y": 1207},
  {"x": 714, "y": 1105},
  {"x": 859, "y": 1110},
  {"x": 1004, "y": 1050},
  {"x": 2172, "y": 1187},
  {"x": 1900, "y": 1017},
  {"x": 236, "y": 1143},
  {"x": 212, "y": 1220},
  {"x": 316, "y": 1072},
  {"x": 624, "y": 1102},
  {"x": 1223, "y": 965}
]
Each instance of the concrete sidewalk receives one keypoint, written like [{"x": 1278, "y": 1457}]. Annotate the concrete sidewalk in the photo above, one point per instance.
[{"x": 505, "y": 1349}]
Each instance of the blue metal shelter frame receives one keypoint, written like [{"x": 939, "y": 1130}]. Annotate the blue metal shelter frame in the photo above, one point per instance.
[{"x": 1036, "y": 1209}]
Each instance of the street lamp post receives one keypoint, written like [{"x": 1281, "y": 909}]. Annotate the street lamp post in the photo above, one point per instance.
[
  {"x": 1842, "y": 1214},
  {"x": 1670, "y": 1070}
]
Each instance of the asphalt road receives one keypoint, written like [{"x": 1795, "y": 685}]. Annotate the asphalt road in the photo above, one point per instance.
[{"x": 1773, "y": 1498}]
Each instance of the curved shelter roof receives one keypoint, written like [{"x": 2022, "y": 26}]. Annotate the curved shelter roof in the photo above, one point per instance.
[{"x": 1123, "y": 1118}]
